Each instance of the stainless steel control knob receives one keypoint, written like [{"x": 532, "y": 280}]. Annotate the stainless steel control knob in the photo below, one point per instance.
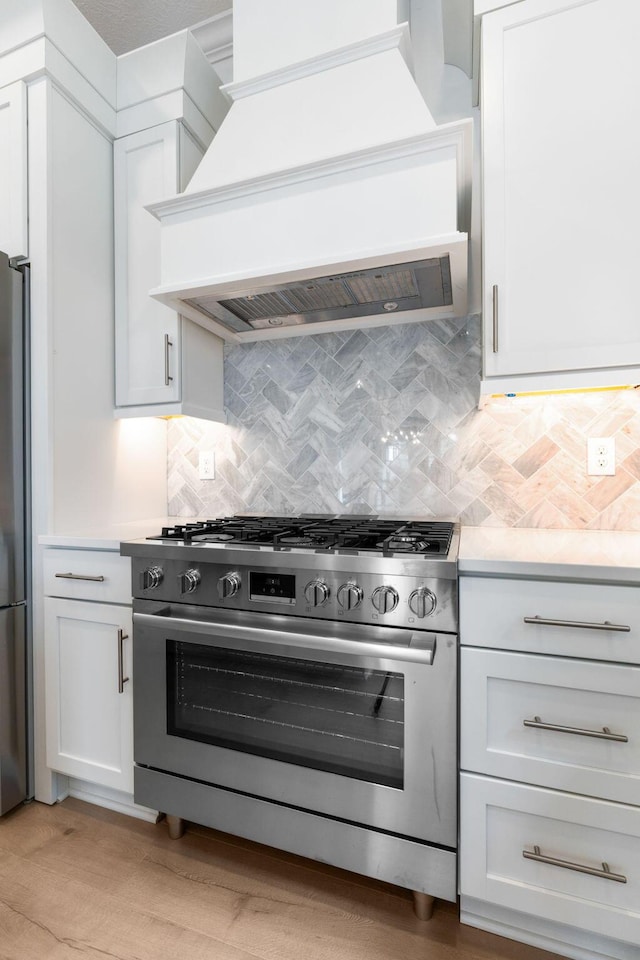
[
  {"x": 350, "y": 596},
  {"x": 316, "y": 592},
  {"x": 422, "y": 602},
  {"x": 228, "y": 585},
  {"x": 189, "y": 581},
  {"x": 385, "y": 599},
  {"x": 151, "y": 578}
]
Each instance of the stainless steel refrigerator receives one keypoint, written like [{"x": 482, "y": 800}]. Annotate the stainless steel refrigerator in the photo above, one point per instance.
[{"x": 14, "y": 652}]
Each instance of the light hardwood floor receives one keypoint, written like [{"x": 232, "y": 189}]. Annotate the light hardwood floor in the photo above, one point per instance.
[{"x": 79, "y": 881}]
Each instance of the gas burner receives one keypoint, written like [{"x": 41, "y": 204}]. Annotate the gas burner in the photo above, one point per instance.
[{"x": 410, "y": 544}]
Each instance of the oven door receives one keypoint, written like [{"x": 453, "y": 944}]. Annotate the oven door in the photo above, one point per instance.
[{"x": 353, "y": 722}]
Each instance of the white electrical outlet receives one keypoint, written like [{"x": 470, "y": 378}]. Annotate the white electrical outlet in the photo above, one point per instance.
[
  {"x": 601, "y": 456},
  {"x": 206, "y": 465}
]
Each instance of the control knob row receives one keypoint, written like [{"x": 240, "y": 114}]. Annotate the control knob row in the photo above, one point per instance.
[
  {"x": 385, "y": 599},
  {"x": 189, "y": 580}
]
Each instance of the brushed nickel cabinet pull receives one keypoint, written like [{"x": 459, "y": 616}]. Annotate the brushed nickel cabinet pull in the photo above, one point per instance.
[
  {"x": 604, "y": 734},
  {"x": 122, "y": 636},
  {"x": 604, "y": 873},
  {"x": 495, "y": 318},
  {"x": 606, "y": 625},
  {"x": 78, "y": 576},
  {"x": 168, "y": 343}
]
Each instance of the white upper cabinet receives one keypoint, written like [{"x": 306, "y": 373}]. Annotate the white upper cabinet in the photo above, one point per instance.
[
  {"x": 13, "y": 170},
  {"x": 147, "y": 333},
  {"x": 561, "y": 151},
  {"x": 165, "y": 364}
]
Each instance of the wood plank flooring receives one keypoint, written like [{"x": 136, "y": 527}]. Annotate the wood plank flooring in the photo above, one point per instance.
[{"x": 78, "y": 881}]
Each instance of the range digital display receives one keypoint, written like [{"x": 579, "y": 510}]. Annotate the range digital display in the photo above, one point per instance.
[{"x": 278, "y": 587}]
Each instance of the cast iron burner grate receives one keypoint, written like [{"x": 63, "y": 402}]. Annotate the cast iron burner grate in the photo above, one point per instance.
[{"x": 347, "y": 534}]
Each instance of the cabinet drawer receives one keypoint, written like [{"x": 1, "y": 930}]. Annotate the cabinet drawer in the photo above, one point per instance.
[
  {"x": 87, "y": 575},
  {"x": 500, "y": 691},
  {"x": 501, "y": 820},
  {"x": 493, "y": 612}
]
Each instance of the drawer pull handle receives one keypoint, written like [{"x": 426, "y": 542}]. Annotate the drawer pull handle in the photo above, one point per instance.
[
  {"x": 495, "y": 317},
  {"x": 168, "y": 343},
  {"x": 604, "y": 873},
  {"x": 78, "y": 576},
  {"x": 616, "y": 627},
  {"x": 122, "y": 636},
  {"x": 604, "y": 734}
]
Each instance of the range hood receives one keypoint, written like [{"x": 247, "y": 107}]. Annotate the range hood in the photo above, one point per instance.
[{"x": 329, "y": 198}]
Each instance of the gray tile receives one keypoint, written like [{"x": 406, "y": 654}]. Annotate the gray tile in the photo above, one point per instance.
[
  {"x": 277, "y": 396},
  {"x": 232, "y": 402},
  {"x": 327, "y": 367},
  {"x": 302, "y": 379},
  {"x": 408, "y": 371},
  {"x": 331, "y": 343},
  {"x": 253, "y": 387},
  {"x": 233, "y": 377},
  {"x": 353, "y": 405},
  {"x": 302, "y": 461},
  {"x": 352, "y": 349}
]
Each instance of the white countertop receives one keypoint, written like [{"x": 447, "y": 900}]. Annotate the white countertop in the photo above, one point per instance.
[
  {"x": 108, "y": 537},
  {"x": 612, "y": 556},
  {"x": 607, "y": 555}
]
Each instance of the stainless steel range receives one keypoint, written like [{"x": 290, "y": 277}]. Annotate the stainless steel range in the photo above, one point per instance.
[{"x": 295, "y": 683}]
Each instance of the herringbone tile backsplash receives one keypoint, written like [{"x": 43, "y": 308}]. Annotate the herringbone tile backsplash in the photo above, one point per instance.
[{"x": 386, "y": 421}]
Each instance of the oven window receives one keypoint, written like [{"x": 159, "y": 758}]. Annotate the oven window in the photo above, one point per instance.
[{"x": 330, "y": 717}]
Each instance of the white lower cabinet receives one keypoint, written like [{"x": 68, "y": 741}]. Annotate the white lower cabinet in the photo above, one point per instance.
[
  {"x": 550, "y": 758},
  {"x": 568, "y": 724},
  {"x": 586, "y": 870},
  {"x": 88, "y": 672}
]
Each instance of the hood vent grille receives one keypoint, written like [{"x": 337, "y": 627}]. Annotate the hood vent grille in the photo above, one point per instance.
[{"x": 379, "y": 290}]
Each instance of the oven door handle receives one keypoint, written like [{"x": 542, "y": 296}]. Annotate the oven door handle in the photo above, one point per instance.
[{"x": 420, "y": 649}]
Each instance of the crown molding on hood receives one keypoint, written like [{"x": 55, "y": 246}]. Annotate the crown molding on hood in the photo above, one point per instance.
[
  {"x": 396, "y": 39},
  {"x": 215, "y": 37},
  {"x": 457, "y": 135}
]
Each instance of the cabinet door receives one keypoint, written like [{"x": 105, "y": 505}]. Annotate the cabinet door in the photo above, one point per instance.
[
  {"x": 13, "y": 170},
  {"x": 569, "y": 724},
  {"x": 594, "y": 621},
  {"x": 583, "y": 870},
  {"x": 561, "y": 195},
  {"x": 89, "y": 706},
  {"x": 146, "y": 168}
]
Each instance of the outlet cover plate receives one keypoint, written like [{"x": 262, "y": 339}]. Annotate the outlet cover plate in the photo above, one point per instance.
[
  {"x": 206, "y": 465},
  {"x": 601, "y": 456}
]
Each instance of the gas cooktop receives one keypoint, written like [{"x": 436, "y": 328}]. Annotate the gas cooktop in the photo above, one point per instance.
[{"x": 324, "y": 534}]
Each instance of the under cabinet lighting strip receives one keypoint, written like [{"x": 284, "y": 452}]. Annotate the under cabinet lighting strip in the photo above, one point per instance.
[{"x": 548, "y": 393}]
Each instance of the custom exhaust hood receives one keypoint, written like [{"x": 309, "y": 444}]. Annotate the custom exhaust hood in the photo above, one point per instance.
[{"x": 329, "y": 198}]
